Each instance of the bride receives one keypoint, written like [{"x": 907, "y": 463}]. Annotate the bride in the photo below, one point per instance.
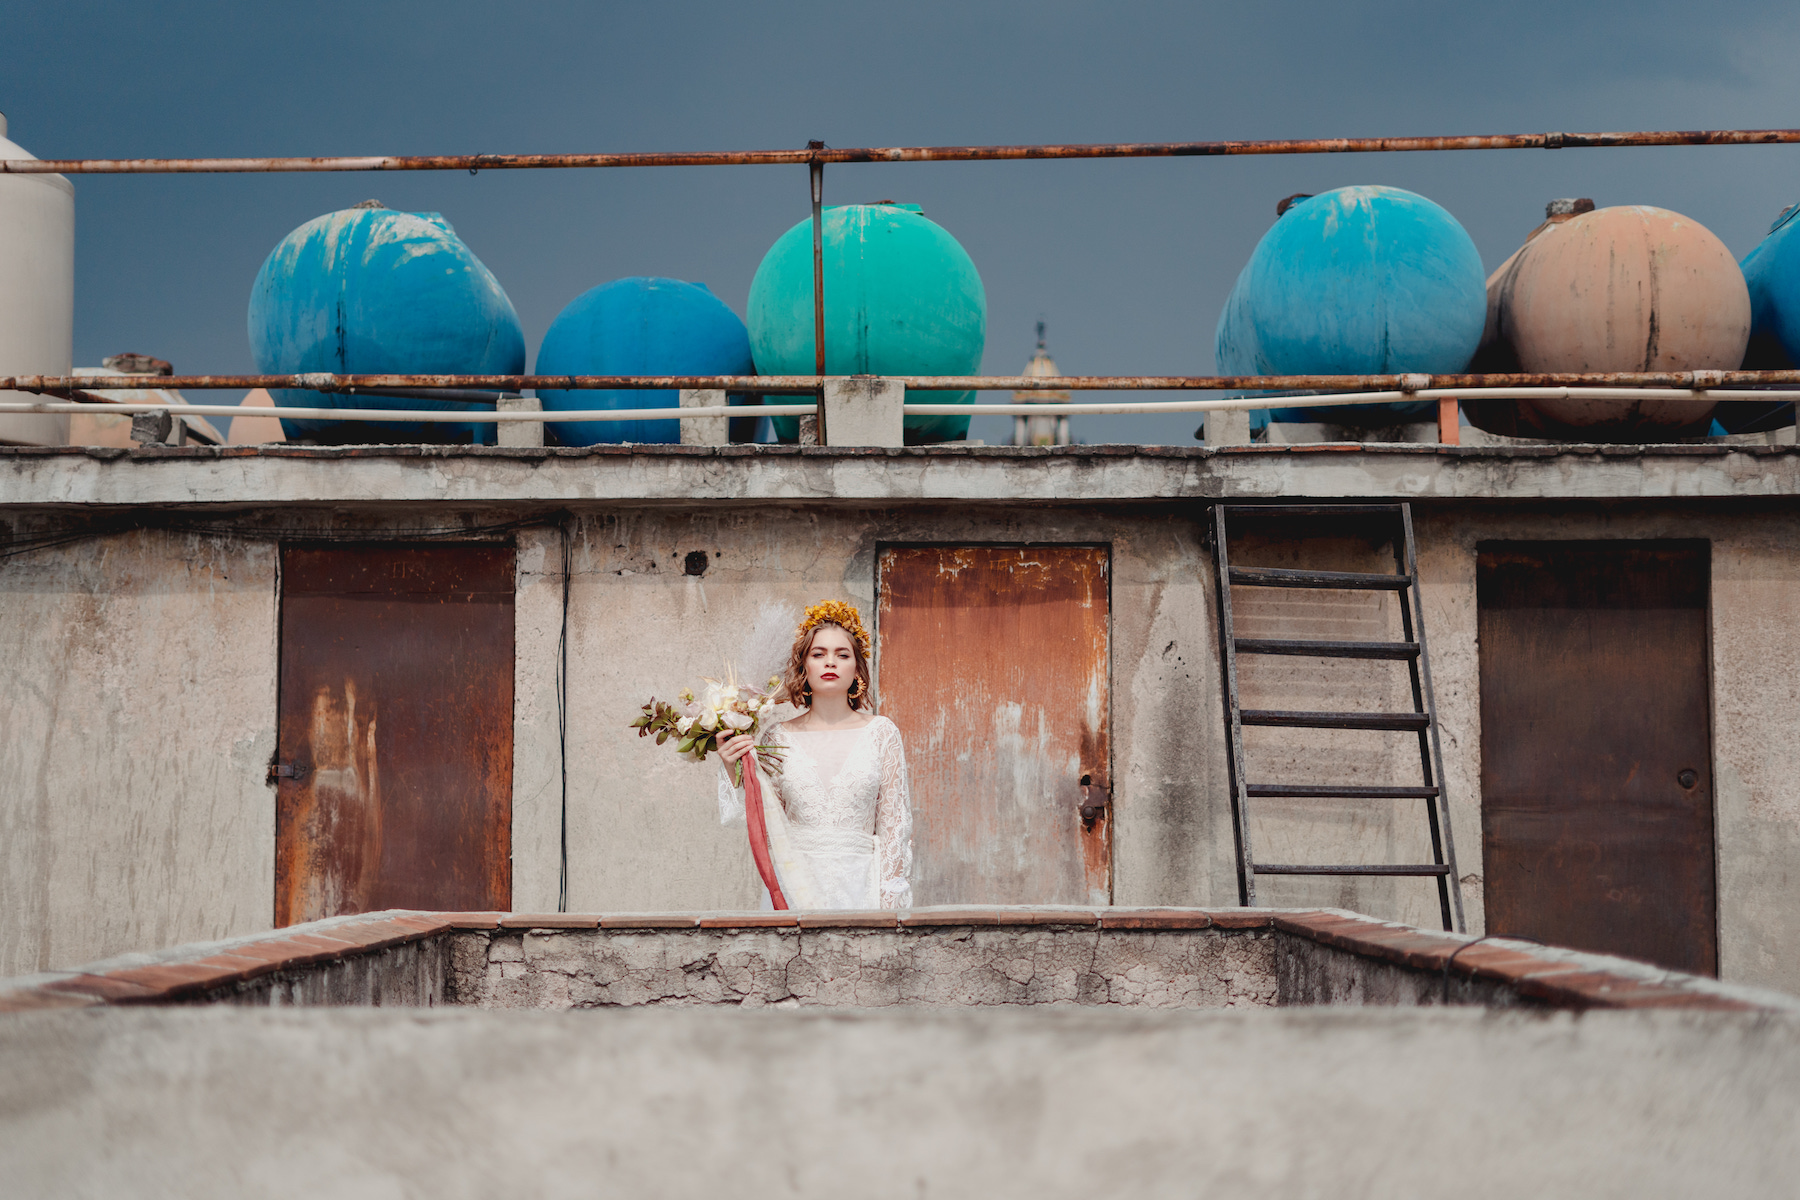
[{"x": 842, "y": 837}]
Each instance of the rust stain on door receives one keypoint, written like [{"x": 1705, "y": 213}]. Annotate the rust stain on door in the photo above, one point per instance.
[
  {"x": 995, "y": 663},
  {"x": 396, "y": 710},
  {"x": 1596, "y": 747}
]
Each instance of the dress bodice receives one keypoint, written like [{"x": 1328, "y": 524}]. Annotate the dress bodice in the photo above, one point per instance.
[{"x": 853, "y": 781}]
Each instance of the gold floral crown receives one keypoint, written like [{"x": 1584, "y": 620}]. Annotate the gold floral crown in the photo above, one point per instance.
[{"x": 836, "y": 612}]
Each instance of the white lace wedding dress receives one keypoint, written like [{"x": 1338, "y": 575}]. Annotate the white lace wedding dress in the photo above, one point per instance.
[{"x": 847, "y": 817}]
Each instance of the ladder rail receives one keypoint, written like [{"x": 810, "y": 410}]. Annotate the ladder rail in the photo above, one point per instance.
[
  {"x": 1234, "y": 729},
  {"x": 1431, "y": 751}
]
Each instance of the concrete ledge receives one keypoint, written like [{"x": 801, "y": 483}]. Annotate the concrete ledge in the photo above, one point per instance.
[
  {"x": 379, "y": 475},
  {"x": 1147, "y": 957}
]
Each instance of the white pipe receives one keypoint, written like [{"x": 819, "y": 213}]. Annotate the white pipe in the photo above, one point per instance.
[
  {"x": 442, "y": 416},
  {"x": 1059, "y": 409}
]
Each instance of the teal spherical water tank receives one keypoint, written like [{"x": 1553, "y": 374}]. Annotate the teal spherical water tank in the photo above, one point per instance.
[
  {"x": 638, "y": 326},
  {"x": 902, "y": 297},
  {"x": 1356, "y": 281},
  {"x": 371, "y": 291}
]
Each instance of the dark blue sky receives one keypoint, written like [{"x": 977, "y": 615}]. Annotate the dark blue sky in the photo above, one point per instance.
[{"x": 1128, "y": 262}]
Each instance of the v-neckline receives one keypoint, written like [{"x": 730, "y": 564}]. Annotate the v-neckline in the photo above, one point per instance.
[{"x": 831, "y": 784}]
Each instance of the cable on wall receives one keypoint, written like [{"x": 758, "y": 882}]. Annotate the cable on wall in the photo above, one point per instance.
[{"x": 565, "y": 528}]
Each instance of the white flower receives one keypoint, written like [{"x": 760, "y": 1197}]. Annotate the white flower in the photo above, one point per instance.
[
  {"x": 709, "y": 720},
  {"x": 685, "y": 724},
  {"x": 739, "y": 721}
]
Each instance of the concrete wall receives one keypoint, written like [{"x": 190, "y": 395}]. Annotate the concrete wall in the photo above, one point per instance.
[
  {"x": 868, "y": 968},
  {"x": 137, "y": 704},
  {"x": 643, "y": 827},
  {"x": 139, "y": 675},
  {"x": 226, "y": 1102},
  {"x": 1756, "y": 721}
]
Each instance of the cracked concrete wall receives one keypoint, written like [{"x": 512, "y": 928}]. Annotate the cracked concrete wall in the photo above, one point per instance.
[
  {"x": 137, "y": 720},
  {"x": 868, "y": 968}
]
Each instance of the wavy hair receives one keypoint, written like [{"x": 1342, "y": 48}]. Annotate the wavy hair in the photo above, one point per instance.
[{"x": 795, "y": 689}]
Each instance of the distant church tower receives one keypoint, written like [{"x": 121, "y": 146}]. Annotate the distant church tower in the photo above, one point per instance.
[{"x": 1046, "y": 430}]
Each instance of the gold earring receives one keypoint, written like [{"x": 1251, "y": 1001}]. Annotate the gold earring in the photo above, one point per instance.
[{"x": 856, "y": 687}]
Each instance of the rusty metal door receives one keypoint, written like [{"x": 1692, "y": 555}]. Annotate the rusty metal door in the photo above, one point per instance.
[
  {"x": 1596, "y": 747},
  {"x": 996, "y": 665},
  {"x": 394, "y": 771}
]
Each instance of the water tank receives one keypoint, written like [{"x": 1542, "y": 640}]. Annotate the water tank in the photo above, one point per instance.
[
  {"x": 1628, "y": 288},
  {"x": 639, "y": 326},
  {"x": 1355, "y": 281},
  {"x": 902, "y": 297},
  {"x": 1772, "y": 277},
  {"x": 1772, "y": 274},
  {"x": 37, "y": 291},
  {"x": 372, "y": 291}
]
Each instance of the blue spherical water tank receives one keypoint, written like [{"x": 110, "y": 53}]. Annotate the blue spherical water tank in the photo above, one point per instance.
[
  {"x": 902, "y": 297},
  {"x": 371, "y": 291},
  {"x": 1772, "y": 272},
  {"x": 1356, "y": 281},
  {"x": 638, "y": 326}
]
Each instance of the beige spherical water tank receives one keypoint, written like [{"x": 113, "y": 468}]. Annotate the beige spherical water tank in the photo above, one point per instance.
[
  {"x": 1630, "y": 288},
  {"x": 37, "y": 291}
]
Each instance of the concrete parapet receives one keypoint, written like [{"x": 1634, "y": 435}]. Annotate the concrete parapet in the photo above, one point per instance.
[{"x": 1149, "y": 958}]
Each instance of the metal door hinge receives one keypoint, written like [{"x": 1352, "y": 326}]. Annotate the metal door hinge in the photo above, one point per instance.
[{"x": 287, "y": 771}]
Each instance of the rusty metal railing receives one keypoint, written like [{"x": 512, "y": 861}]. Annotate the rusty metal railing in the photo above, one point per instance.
[{"x": 818, "y": 155}]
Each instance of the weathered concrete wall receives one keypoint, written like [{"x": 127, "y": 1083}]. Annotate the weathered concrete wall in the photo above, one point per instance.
[
  {"x": 410, "y": 975},
  {"x": 1756, "y": 722},
  {"x": 137, "y": 704},
  {"x": 452, "y": 1103},
  {"x": 643, "y": 824},
  {"x": 1308, "y": 973},
  {"x": 139, "y": 685},
  {"x": 865, "y": 968}
]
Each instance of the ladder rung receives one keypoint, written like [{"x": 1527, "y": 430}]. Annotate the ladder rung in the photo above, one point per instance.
[
  {"x": 1328, "y": 649},
  {"x": 1333, "y": 720},
  {"x": 1349, "y": 580},
  {"x": 1314, "y": 510},
  {"x": 1383, "y": 869},
  {"x": 1329, "y": 791}
]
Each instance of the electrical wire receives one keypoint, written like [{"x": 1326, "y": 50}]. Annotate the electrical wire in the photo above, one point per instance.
[{"x": 562, "y": 714}]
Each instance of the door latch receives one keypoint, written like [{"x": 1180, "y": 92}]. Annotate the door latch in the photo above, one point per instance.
[
  {"x": 294, "y": 771},
  {"x": 1094, "y": 800}
]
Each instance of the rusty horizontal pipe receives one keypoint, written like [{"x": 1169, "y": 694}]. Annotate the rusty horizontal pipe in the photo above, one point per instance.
[
  {"x": 57, "y": 385},
  {"x": 723, "y": 158}
]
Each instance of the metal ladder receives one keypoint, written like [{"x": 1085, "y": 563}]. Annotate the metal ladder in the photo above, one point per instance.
[{"x": 1422, "y": 720}]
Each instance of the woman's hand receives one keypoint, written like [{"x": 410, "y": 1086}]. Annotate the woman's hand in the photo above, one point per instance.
[{"x": 734, "y": 748}]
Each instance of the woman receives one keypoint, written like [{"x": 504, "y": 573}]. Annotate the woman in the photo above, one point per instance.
[{"x": 841, "y": 784}]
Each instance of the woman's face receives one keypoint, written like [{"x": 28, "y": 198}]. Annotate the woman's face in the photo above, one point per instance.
[{"x": 831, "y": 663}]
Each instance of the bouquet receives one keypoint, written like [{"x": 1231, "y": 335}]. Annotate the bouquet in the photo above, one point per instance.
[{"x": 724, "y": 709}]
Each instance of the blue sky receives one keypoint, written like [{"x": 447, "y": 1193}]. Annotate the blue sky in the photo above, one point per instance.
[{"x": 1129, "y": 262}]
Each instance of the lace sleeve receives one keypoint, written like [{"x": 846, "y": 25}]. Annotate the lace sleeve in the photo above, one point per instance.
[
  {"x": 893, "y": 823},
  {"x": 731, "y": 799}
]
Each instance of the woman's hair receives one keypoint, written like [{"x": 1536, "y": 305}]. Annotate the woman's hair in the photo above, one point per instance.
[{"x": 794, "y": 687}]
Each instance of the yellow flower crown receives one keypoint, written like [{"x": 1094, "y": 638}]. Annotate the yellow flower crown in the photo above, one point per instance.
[{"x": 836, "y": 612}]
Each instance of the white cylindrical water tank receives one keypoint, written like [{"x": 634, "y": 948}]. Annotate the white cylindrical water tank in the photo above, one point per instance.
[{"x": 37, "y": 291}]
